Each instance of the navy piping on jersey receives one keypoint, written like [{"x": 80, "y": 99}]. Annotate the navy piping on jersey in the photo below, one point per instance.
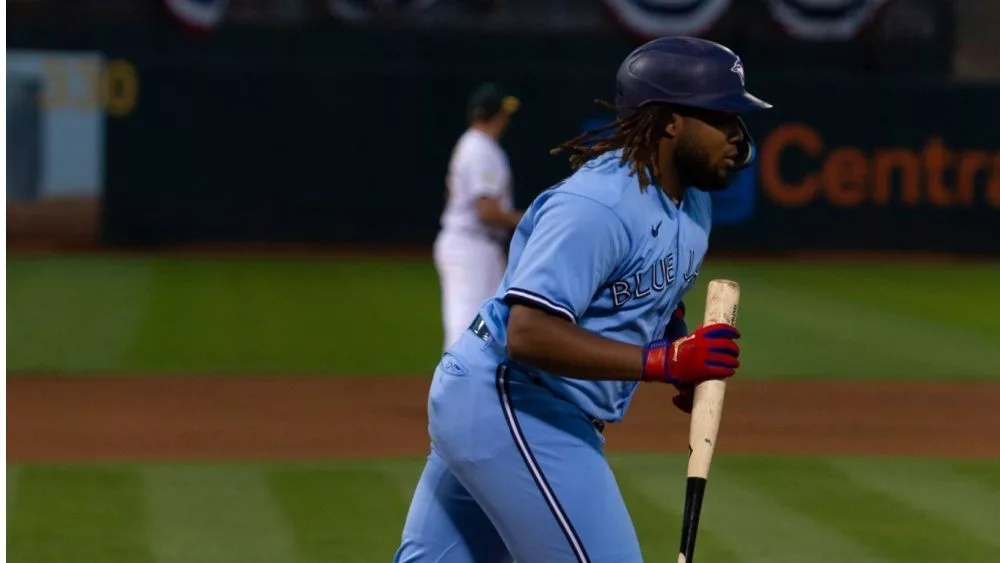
[{"x": 525, "y": 297}]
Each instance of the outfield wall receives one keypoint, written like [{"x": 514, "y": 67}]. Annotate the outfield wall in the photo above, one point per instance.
[{"x": 343, "y": 137}]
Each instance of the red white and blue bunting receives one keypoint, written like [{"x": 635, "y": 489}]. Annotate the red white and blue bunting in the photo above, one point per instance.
[
  {"x": 198, "y": 15},
  {"x": 365, "y": 10},
  {"x": 811, "y": 20},
  {"x": 655, "y": 18},
  {"x": 824, "y": 20}
]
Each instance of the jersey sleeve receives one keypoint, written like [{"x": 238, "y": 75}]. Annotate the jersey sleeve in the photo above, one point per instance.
[
  {"x": 575, "y": 245},
  {"x": 485, "y": 175}
]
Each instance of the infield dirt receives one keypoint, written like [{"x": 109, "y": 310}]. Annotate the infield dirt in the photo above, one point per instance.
[{"x": 216, "y": 419}]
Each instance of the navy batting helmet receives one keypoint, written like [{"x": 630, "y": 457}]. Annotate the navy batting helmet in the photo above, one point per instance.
[{"x": 687, "y": 71}]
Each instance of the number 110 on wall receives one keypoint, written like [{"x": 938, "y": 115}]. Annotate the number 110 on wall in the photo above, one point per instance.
[{"x": 90, "y": 85}]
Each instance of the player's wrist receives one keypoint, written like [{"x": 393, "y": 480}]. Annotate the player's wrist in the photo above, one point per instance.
[{"x": 655, "y": 360}]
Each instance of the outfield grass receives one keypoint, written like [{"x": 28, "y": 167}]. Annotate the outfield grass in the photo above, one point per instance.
[
  {"x": 175, "y": 315},
  {"x": 757, "y": 509}
]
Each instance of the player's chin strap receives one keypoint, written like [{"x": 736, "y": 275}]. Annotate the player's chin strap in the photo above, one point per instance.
[{"x": 747, "y": 150}]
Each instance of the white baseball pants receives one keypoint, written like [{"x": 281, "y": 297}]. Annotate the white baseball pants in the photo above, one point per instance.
[{"x": 470, "y": 269}]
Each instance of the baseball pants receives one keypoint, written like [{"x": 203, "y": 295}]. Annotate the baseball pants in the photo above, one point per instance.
[
  {"x": 470, "y": 270},
  {"x": 514, "y": 473}
]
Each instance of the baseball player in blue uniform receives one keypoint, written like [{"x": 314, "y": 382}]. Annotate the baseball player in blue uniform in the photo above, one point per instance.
[{"x": 589, "y": 308}]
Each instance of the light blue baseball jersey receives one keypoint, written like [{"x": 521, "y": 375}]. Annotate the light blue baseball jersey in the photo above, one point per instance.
[{"x": 601, "y": 253}]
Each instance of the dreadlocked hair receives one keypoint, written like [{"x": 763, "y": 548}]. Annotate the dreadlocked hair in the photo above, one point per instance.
[{"x": 638, "y": 135}]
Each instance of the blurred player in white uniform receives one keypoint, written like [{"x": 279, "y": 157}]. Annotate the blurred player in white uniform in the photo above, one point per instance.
[{"x": 479, "y": 215}]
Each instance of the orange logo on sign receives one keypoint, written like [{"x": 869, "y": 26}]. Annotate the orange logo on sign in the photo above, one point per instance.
[{"x": 848, "y": 176}]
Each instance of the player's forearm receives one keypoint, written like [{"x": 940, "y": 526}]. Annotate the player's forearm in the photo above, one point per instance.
[
  {"x": 492, "y": 214},
  {"x": 541, "y": 340},
  {"x": 512, "y": 218},
  {"x": 501, "y": 219}
]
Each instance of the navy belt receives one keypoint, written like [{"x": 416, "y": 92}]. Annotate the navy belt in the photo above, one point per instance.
[{"x": 479, "y": 328}]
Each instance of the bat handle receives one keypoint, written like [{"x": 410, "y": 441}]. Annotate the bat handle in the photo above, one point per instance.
[{"x": 695, "y": 493}]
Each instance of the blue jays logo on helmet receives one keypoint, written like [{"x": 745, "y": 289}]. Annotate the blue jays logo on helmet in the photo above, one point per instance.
[
  {"x": 686, "y": 71},
  {"x": 738, "y": 69}
]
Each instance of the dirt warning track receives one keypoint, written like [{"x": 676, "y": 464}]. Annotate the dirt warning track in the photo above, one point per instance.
[{"x": 201, "y": 418}]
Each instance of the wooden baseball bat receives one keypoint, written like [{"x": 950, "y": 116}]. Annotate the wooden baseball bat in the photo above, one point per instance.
[{"x": 721, "y": 306}]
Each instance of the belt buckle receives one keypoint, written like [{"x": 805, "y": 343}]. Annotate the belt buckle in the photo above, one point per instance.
[{"x": 478, "y": 327}]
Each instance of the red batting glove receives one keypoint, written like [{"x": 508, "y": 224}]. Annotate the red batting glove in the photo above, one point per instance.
[{"x": 708, "y": 353}]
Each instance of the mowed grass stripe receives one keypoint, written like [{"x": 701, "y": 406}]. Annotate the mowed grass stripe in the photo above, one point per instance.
[
  {"x": 78, "y": 314},
  {"x": 820, "y": 322},
  {"x": 287, "y": 316},
  {"x": 820, "y": 330},
  {"x": 214, "y": 514},
  {"x": 349, "y": 514},
  {"x": 656, "y": 503},
  {"x": 905, "y": 288},
  {"x": 772, "y": 532},
  {"x": 986, "y": 474},
  {"x": 156, "y": 314},
  {"x": 878, "y": 521},
  {"x": 404, "y": 473},
  {"x": 738, "y": 522},
  {"x": 13, "y": 480},
  {"x": 934, "y": 489},
  {"x": 78, "y": 514},
  {"x": 757, "y": 509}
]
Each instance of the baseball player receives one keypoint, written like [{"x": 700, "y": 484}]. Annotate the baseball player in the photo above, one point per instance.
[
  {"x": 478, "y": 215},
  {"x": 590, "y": 307}
]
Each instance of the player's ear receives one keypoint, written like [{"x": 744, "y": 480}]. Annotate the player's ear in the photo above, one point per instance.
[{"x": 675, "y": 124}]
